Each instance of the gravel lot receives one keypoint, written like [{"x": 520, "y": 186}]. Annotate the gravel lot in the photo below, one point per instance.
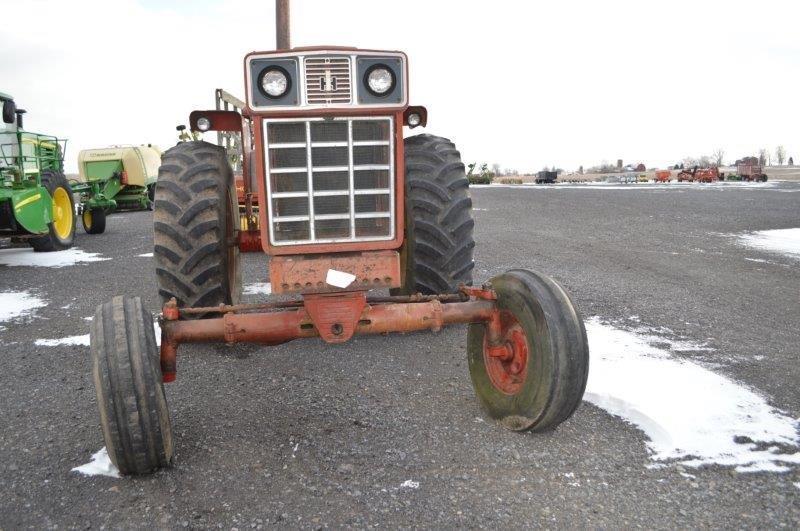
[{"x": 312, "y": 435}]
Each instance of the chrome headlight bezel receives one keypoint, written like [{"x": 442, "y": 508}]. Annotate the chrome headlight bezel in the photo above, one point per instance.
[
  {"x": 375, "y": 70},
  {"x": 262, "y": 80}
]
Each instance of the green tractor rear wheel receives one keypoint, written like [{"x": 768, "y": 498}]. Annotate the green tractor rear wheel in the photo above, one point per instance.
[
  {"x": 94, "y": 221},
  {"x": 61, "y": 233},
  {"x": 537, "y": 380}
]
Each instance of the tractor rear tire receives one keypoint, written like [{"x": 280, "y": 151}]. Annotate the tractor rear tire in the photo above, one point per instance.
[
  {"x": 61, "y": 230},
  {"x": 543, "y": 383},
  {"x": 196, "y": 220},
  {"x": 437, "y": 252},
  {"x": 94, "y": 221},
  {"x": 134, "y": 415}
]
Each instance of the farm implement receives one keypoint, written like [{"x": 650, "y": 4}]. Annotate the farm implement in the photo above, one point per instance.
[
  {"x": 36, "y": 202},
  {"x": 702, "y": 175},
  {"x": 750, "y": 169},
  {"x": 115, "y": 178},
  {"x": 350, "y": 207}
]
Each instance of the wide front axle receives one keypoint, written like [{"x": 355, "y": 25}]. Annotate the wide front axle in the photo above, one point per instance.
[{"x": 334, "y": 317}]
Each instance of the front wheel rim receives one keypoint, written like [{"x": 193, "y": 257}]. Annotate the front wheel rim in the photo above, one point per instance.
[
  {"x": 62, "y": 213},
  {"x": 508, "y": 373},
  {"x": 87, "y": 219}
]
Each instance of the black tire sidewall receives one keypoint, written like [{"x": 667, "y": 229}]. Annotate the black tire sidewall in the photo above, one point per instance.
[
  {"x": 98, "y": 224},
  {"x": 557, "y": 354}
]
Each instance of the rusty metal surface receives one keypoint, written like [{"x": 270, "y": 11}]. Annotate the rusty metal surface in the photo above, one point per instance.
[
  {"x": 335, "y": 316},
  {"x": 249, "y": 241},
  {"x": 220, "y": 120},
  {"x": 307, "y": 274},
  {"x": 277, "y": 327}
]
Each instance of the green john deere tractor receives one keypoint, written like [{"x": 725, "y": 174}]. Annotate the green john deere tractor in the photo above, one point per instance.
[{"x": 36, "y": 202}]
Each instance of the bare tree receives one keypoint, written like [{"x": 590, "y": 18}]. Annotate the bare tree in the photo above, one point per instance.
[
  {"x": 762, "y": 156},
  {"x": 718, "y": 155},
  {"x": 780, "y": 154}
]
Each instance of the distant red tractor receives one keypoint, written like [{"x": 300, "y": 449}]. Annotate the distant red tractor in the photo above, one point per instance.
[
  {"x": 702, "y": 175},
  {"x": 346, "y": 205}
]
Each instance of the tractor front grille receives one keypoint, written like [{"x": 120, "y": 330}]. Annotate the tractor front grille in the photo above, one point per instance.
[
  {"x": 330, "y": 180},
  {"x": 327, "y": 80}
]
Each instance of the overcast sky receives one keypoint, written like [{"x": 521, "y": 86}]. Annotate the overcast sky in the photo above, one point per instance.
[{"x": 520, "y": 83}]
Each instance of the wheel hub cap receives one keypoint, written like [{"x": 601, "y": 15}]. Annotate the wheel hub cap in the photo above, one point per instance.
[{"x": 507, "y": 363}]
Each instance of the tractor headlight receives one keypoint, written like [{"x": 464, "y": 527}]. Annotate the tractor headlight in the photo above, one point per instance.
[
  {"x": 203, "y": 123},
  {"x": 379, "y": 80},
  {"x": 274, "y": 82}
]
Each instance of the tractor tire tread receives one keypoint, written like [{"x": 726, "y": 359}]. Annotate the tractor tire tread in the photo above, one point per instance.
[
  {"x": 439, "y": 242},
  {"x": 195, "y": 182}
]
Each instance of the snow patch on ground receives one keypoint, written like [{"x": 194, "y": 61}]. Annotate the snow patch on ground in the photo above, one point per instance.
[
  {"x": 145, "y": 255},
  {"x": 100, "y": 465},
  {"x": 84, "y": 339},
  {"x": 26, "y": 257},
  {"x": 70, "y": 340},
  {"x": 689, "y": 413},
  {"x": 16, "y": 304},
  {"x": 409, "y": 484},
  {"x": 783, "y": 241},
  {"x": 258, "y": 288}
]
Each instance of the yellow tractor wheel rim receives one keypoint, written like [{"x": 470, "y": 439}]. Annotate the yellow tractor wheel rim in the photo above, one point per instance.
[
  {"x": 62, "y": 213},
  {"x": 87, "y": 219}
]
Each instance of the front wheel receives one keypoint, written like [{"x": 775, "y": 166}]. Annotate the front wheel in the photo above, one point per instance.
[
  {"x": 94, "y": 221},
  {"x": 539, "y": 380},
  {"x": 130, "y": 394}
]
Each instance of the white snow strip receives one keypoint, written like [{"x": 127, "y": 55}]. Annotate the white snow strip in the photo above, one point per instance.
[
  {"x": 688, "y": 412},
  {"x": 84, "y": 339},
  {"x": 783, "y": 241},
  {"x": 100, "y": 465},
  {"x": 145, "y": 255},
  {"x": 70, "y": 340},
  {"x": 258, "y": 288},
  {"x": 15, "y": 304},
  {"x": 339, "y": 279},
  {"x": 26, "y": 257},
  {"x": 408, "y": 484}
]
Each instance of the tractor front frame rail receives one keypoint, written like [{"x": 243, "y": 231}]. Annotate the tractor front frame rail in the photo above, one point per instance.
[{"x": 335, "y": 317}]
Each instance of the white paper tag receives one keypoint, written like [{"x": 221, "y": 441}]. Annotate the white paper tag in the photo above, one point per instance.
[{"x": 339, "y": 279}]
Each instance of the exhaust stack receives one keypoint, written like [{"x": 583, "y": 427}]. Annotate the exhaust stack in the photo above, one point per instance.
[{"x": 282, "y": 37}]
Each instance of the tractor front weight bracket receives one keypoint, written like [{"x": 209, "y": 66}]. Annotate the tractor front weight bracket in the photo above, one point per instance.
[{"x": 333, "y": 317}]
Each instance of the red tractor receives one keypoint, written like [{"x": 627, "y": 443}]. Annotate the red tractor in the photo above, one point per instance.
[
  {"x": 702, "y": 175},
  {"x": 349, "y": 206}
]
